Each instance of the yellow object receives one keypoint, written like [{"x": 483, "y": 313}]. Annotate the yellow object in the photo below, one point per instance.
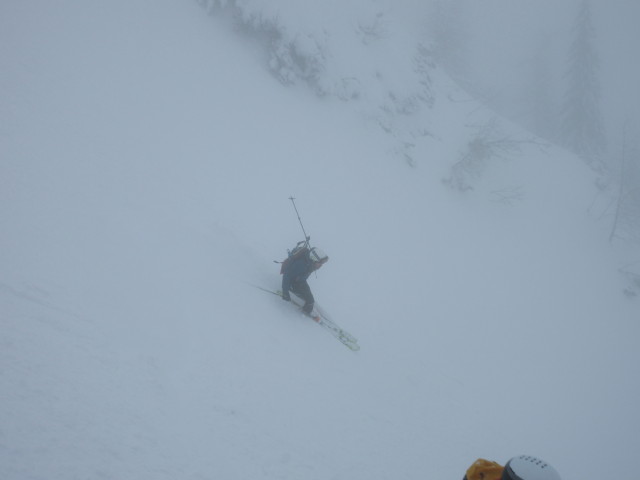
[{"x": 483, "y": 469}]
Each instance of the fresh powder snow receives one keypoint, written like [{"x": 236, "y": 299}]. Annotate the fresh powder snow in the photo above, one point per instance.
[{"x": 147, "y": 153}]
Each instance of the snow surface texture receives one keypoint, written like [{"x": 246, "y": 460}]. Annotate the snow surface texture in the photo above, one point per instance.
[{"x": 146, "y": 158}]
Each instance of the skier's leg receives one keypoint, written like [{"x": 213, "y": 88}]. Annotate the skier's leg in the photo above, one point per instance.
[{"x": 302, "y": 290}]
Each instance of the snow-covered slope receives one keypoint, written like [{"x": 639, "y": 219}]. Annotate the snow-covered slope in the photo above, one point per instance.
[{"x": 147, "y": 157}]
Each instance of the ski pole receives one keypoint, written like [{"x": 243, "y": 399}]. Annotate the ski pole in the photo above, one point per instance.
[{"x": 306, "y": 237}]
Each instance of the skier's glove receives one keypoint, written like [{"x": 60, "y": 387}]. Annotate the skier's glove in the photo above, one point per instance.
[{"x": 286, "y": 297}]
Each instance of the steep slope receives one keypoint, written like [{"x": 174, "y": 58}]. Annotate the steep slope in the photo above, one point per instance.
[{"x": 147, "y": 157}]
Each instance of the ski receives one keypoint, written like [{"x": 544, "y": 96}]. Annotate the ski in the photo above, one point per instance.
[
  {"x": 324, "y": 320},
  {"x": 328, "y": 324},
  {"x": 342, "y": 335}
]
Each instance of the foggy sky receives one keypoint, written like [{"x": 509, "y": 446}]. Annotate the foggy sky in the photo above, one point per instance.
[{"x": 505, "y": 36}]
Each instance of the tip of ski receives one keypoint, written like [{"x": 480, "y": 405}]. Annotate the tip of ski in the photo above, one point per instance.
[{"x": 323, "y": 320}]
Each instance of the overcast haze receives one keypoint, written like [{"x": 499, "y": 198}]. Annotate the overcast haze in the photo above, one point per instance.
[
  {"x": 148, "y": 150},
  {"x": 505, "y": 37}
]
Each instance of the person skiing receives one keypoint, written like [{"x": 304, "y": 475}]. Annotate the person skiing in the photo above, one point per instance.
[
  {"x": 296, "y": 269},
  {"x": 523, "y": 467}
]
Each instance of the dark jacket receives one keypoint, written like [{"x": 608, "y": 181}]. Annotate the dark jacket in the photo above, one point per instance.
[{"x": 297, "y": 270}]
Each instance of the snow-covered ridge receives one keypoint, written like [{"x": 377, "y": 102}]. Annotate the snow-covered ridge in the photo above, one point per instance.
[
  {"x": 376, "y": 55},
  {"x": 339, "y": 47}
]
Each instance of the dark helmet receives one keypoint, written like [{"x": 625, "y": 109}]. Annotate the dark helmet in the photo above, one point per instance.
[{"x": 526, "y": 467}]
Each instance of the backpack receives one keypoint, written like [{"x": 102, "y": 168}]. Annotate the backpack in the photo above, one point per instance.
[{"x": 299, "y": 251}]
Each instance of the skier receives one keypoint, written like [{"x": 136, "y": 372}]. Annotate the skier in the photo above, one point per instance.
[
  {"x": 295, "y": 271},
  {"x": 523, "y": 467}
]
